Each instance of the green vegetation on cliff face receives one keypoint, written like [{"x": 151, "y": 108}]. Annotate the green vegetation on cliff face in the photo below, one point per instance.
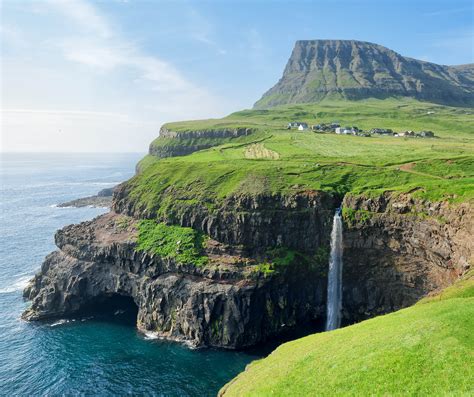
[
  {"x": 182, "y": 244},
  {"x": 274, "y": 160},
  {"x": 426, "y": 349}
]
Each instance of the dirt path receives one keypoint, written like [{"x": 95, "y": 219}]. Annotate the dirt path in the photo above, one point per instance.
[{"x": 408, "y": 167}]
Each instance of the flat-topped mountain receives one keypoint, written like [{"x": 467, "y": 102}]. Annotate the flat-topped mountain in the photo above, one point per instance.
[{"x": 350, "y": 69}]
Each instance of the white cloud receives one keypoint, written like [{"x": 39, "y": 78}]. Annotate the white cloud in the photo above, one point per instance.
[
  {"x": 57, "y": 112},
  {"x": 111, "y": 51},
  {"x": 108, "y": 74},
  {"x": 73, "y": 131},
  {"x": 84, "y": 15},
  {"x": 11, "y": 35}
]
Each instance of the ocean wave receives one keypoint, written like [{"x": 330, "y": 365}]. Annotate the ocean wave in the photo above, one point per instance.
[
  {"x": 18, "y": 285},
  {"x": 61, "y": 208},
  {"x": 60, "y": 322},
  {"x": 72, "y": 206},
  {"x": 150, "y": 335}
]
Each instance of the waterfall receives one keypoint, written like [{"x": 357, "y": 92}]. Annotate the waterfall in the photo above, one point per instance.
[{"x": 334, "y": 300}]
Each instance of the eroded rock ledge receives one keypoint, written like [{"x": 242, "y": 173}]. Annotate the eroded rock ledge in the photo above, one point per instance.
[
  {"x": 226, "y": 304},
  {"x": 396, "y": 250},
  {"x": 181, "y": 143}
]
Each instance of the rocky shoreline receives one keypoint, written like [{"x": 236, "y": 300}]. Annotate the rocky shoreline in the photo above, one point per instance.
[
  {"x": 396, "y": 250},
  {"x": 103, "y": 199},
  {"x": 225, "y": 304}
]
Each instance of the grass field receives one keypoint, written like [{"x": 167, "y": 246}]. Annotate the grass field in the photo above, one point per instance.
[
  {"x": 426, "y": 349},
  {"x": 275, "y": 160},
  {"x": 423, "y": 350}
]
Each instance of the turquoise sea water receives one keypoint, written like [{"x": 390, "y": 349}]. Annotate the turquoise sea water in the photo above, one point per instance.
[{"x": 101, "y": 356}]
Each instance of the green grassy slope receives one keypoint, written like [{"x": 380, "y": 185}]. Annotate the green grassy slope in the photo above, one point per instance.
[
  {"x": 427, "y": 349},
  {"x": 273, "y": 159},
  {"x": 398, "y": 114}
]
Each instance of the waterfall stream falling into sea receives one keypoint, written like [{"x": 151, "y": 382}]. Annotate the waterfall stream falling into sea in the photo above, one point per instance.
[{"x": 334, "y": 300}]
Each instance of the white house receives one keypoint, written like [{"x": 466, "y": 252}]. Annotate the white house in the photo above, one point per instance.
[{"x": 344, "y": 130}]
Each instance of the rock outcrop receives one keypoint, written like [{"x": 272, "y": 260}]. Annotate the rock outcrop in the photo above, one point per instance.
[
  {"x": 396, "y": 250},
  {"x": 226, "y": 304},
  {"x": 351, "y": 69},
  {"x": 181, "y": 143},
  {"x": 297, "y": 221},
  {"x": 103, "y": 199}
]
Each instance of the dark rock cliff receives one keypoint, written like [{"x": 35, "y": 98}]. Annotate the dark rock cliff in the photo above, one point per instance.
[
  {"x": 353, "y": 70},
  {"x": 226, "y": 304},
  {"x": 181, "y": 143},
  {"x": 298, "y": 221},
  {"x": 396, "y": 250}
]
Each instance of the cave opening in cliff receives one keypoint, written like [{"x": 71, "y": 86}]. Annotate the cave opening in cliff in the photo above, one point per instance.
[{"x": 113, "y": 308}]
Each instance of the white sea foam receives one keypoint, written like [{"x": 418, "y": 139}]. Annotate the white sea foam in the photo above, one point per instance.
[
  {"x": 59, "y": 322},
  {"x": 18, "y": 285},
  {"x": 150, "y": 335},
  {"x": 62, "y": 207}
]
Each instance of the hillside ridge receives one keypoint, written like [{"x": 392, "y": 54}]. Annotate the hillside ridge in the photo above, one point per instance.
[{"x": 353, "y": 70}]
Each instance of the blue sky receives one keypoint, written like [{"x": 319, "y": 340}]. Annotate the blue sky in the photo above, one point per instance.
[{"x": 85, "y": 75}]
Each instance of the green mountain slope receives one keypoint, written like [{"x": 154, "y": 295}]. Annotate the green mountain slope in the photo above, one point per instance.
[
  {"x": 273, "y": 159},
  {"x": 350, "y": 69},
  {"x": 427, "y": 349}
]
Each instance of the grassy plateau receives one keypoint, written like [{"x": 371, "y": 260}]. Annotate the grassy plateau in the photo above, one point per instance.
[
  {"x": 426, "y": 349},
  {"x": 273, "y": 159}
]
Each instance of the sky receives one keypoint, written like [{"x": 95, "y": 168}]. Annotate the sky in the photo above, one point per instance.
[{"x": 103, "y": 76}]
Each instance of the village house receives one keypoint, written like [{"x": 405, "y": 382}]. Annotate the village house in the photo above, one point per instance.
[
  {"x": 297, "y": 124},
  {"x": 426, "y": 134},
  {"x": 302, "y": 127},
  {"x": 347, "y": 130},
  {"x": 323, "y": 127},
  {"x": 381, "y": 131},
  {"x": 354, "y": 130}
]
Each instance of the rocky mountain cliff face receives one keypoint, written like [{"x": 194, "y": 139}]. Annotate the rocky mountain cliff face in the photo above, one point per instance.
[
  {"x": 226, "y": 304},
  {"x": 351, "y": 69},
  {"x": 174, "y": 143},
  {"x": 298, "y": 221},
  {"x": 396, "y": 250}
]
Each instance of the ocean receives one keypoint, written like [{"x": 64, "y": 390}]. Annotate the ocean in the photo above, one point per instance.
[{"x": 89, "y": 356}]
